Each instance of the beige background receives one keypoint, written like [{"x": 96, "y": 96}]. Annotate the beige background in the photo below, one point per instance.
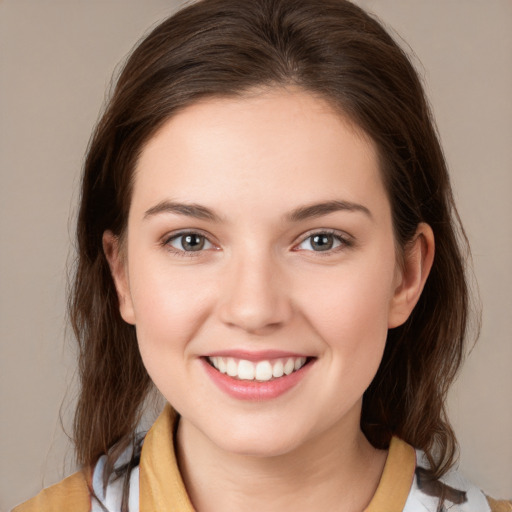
[{"x": 55, "y": 64}]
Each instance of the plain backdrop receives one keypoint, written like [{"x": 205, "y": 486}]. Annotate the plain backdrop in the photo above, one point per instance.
[{"x": 56, "y": 60}]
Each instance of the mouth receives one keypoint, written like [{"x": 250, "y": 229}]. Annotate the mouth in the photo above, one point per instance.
[
  {"x": 256, "y": 376},
  {"x": 260, "y": 371}
]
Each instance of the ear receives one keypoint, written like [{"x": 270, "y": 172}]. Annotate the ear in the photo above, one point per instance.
[
  {"x": 118, "y": 268},
  {"x": 412, "y": 275}
]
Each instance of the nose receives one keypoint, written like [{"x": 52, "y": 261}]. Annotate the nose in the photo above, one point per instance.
[{"x": 255, "y": 297}]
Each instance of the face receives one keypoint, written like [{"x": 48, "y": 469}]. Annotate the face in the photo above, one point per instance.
[{"x": 259, "y": 269}]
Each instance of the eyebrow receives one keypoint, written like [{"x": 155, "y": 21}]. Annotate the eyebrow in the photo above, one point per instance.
[
  {"x": 189, "y": 210},
  {"x": 321, "y": 209},
  {"x": 198, "y": 211}
]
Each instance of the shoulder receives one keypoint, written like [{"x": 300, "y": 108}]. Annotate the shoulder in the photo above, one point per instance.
[
  {"x": 451, "y": 492},
  {"x": 84, "y": 492},
  {"x": 499, "y": 505},
  {"x": 72, "y": 493}
]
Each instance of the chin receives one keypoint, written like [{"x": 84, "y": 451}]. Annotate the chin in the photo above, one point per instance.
[{"x": 259, "y": 443}]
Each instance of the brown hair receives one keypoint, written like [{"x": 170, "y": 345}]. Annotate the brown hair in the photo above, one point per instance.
[{"x": 332, "y": 49}]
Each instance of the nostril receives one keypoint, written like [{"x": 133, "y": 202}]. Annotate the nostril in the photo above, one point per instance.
[{"x": 254, "y": 297}]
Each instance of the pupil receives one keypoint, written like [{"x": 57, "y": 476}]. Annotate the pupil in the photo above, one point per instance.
[
  {"x": 322, "y": 242},
  {"x": 193, "y": 242}
]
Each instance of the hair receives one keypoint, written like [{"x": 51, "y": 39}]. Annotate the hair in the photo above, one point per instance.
[{"x": 226, "y": 48}]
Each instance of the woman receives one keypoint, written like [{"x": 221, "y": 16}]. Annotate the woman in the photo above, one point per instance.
[{"x": 261, "y": 205}]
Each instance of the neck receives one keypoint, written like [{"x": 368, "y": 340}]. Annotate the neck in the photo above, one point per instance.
[{"x": 336, "y": 470}]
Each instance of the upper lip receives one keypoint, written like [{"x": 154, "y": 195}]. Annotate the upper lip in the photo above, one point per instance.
[{"x": 260, "y": 355}]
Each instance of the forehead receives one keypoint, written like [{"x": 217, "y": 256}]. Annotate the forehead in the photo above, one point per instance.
[{"x": 277, "y": 146}]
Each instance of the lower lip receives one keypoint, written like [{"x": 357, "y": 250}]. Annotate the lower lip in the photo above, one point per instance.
[{"x": 253, "y": 389}]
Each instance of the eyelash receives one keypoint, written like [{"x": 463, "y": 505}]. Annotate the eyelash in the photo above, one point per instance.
[
  {"x": 345, "y": 242},
  {"x": 166, "y": 242}
]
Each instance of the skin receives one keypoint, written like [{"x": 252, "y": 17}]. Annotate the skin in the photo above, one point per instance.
[{"x": 259, "y": 284}]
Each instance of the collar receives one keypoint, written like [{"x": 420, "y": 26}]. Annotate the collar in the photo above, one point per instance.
[
  {"x": 160, "y": 484},
  {"x": 162, "y": 488}
]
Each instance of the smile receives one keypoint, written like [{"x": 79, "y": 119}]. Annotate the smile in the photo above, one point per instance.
[
  {"x": 256, "y": 377},
  {"x": 261, "y": 371}
]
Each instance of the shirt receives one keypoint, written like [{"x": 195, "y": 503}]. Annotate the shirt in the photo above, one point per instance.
[{"x": 156, "y": 484}]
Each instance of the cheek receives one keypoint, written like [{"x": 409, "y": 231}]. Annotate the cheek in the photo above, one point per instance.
[
  {"x": 170, "y": 307},
  {"x": 355, "y": 297},
  {"x": 350, "y": 313}
]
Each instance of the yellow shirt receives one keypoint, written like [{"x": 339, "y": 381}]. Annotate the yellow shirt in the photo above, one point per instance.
[{"x": 161, "y": 487}]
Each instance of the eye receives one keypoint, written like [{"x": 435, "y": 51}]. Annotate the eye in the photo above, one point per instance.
[
  {"x": 189, "y": 242},
  {"x": 322, "y": 242}
]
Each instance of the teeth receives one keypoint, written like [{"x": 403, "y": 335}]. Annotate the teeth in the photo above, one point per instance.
[
  {"x": 289, "y": 366},
  {"x": 278, "y": 369},
  {"x": 260, "y": 371},
  {"x": 263, "y": 370},
  {"x": 246, "y": 370},
  {"x": 222, "y": 365},
  {"x": 232, "y": 367}
]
